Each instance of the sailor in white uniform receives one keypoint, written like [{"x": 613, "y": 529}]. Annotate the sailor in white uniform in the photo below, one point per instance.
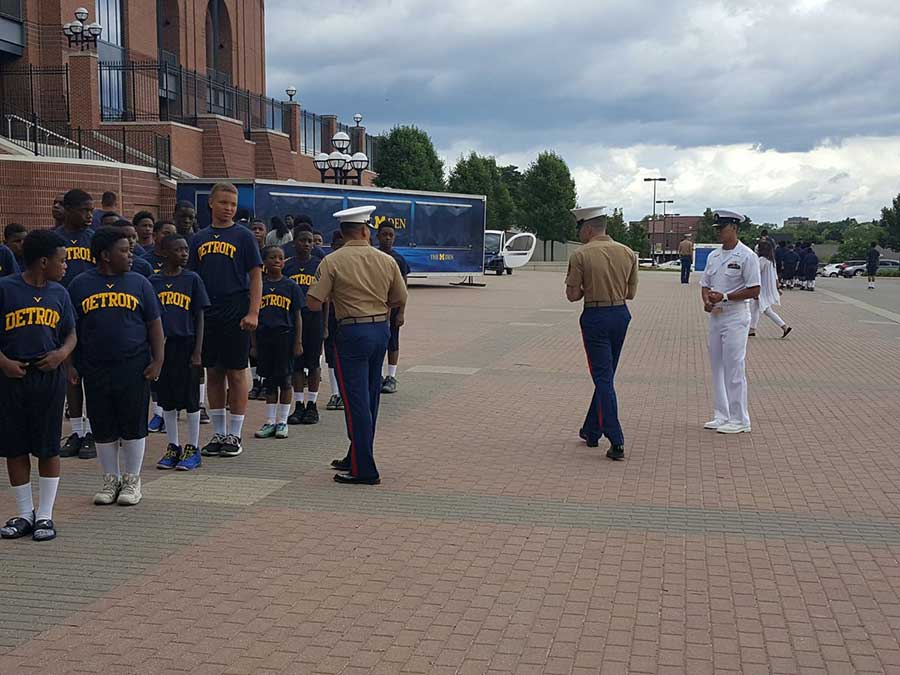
[{"x": 730, "y": 280}]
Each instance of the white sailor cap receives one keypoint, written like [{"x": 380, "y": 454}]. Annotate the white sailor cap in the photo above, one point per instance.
[
  {"x": 358, "y": 214},
  {"x": 588, "y": 213},
  {"x": 721, "y": 217}
]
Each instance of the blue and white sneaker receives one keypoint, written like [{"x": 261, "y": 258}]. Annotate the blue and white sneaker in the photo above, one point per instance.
[
  {"x": 156, "y": 425},
  {"x": 190, "y": 459},
  {"x": 170, "y": 459}
]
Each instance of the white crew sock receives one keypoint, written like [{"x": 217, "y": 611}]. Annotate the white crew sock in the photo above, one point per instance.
[
  {"x": 236, "y": 425},
  {"x": 133, "y": 455},
  {"x": 87, "y": 425},
  {"x": 284, "y": 410},
  {"x": 253, "y": 372},
  {"x": 312, "y": 396},
  {"x": 300, "y": 397},
  {"x": 332, "y": 378},
  {"x": 193, "y": 428},
  {"x": 270, "y": 413},
  {"x": 77, "y": 426},
  {"x": 157, "y": 409},
  {"x": 171, "y": 419},
  {"x": 108, "y": 454},
  {"x": 392, "y": 371},
  {"x": 24, "y": 502},
  {"x": 46, "y": 497},
  {"x": 203, "y": 395},
  {"x": 217, "y": 415}
]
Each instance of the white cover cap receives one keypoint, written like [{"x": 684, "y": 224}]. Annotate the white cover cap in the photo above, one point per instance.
[{"x": 358, "y": 214}]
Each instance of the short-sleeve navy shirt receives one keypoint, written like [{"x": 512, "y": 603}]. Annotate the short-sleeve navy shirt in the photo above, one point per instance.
[
  {"x": 280, "y": 301},
  {"x": 78, "y": 252},
  {"x": 112, "y": 313},
  {"x": 401, "y": 262},
  {"x": 182, "y": 297},
  {"x": 301, "y": 273},
  {"x": 36, "y": 320},
  {"x": 156, "y": 261},
  {"x": 8, "y": 264},
  {"x": 223, "y": 257},
  {"x": 141, "y": 266}
]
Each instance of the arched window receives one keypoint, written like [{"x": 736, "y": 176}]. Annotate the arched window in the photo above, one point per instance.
[
  {"x": 218, "y": 41},
  {"x": 168, "y": 31}
]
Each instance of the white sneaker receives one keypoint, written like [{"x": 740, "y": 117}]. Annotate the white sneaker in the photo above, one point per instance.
[
  {"x": 715, "y": 424},
  {"x": 734, "y": 428},
  {"x": 109, "y": 491},
  {"x": 871, "y": 285},
  {"x": 130, "y": 494}
]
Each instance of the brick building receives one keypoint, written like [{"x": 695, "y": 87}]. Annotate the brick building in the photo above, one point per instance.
[
  {"x": 172, "y": 88},
  {"x": 666, "y": 231}
]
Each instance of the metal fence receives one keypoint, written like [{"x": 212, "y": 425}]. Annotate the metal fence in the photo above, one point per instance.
[
  {"x": 371, "y": 150},
  {"x": 310, "y": 133},
  {"x": 153, "y": 91},
  {"x": 28, "y": 91}
]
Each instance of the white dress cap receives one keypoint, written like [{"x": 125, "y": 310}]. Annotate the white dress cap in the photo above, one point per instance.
[
  {"x": 358, "y": 214},
  {"x": 588, "y": 213},
  {"x": 722, "y": 217}
]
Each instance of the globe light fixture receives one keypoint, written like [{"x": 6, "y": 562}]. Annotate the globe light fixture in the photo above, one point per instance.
[
  {"x": 357, "y": 118},
  {"x": 82, "y": 35},
  {"x": 339, "y": 166},
  {"x": 321, "y": 161},
  {"x": 81, "y": 14},
  {"x": 291, "y": 91},
  {"x": 341, "y": 141}
]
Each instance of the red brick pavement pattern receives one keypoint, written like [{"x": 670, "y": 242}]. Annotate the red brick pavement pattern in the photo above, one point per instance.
[{"x": 297, "y": 591}]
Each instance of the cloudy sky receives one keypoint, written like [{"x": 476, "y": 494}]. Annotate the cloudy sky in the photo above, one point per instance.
[{"x": 772, "y": 107}]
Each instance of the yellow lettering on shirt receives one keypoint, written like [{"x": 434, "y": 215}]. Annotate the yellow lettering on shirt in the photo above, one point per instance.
[
  {"x": 274, "y": 300},
  {"x": 79, "y": 253},
  {"x": 31, "y": 316},
  {"x": 109, "y": 301},
  {"x": 217, "y": 247},
  {"x": 303, "y": 279},
  {"x": 174, "y": 298}
]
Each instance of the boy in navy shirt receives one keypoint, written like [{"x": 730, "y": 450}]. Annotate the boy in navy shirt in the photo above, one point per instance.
[
  {"x": 8, "y": 264},
  {"x": 78, "y": 209},
  {"x": 335, "y": 402},
  {"x": 120, "y": 351},
  {"x": 226, "y": 257},
  {"x": 258, "y": 228},
  {"x": 138, "y": 263},
  {"x": 183, "y": 298},
  {"x": 386, "y": 236},
  {"x": 156, "y": 256},
  {"x": 37, "y": 335},
  {"x": 301, "y": 269},
  {"x": 143, "y": 223},
  {"x": 14, "y": 238},
  {"x": 185, "y": 218},
  {"x": 277, "y": 341}
]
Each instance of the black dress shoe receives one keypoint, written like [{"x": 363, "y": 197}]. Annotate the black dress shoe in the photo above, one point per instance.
[
  {"x": 342, "y": 464},
  {"x": 616, "y": 452},
  {"x": 353, "y": 480},
  {"x": 591, "y": 443}
]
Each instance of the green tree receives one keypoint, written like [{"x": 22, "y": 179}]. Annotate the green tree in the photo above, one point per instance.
[
  {"x": 890, "y": 221},
  {"x": 481, "y": 176},
  {"x": 548, "y": 195},
  {"x": 857, "y": 239},
  {"x": 616, "y": 228},
  {"x": 706, "y": 233},
  {"x": 637, "y": 240},
  {"x": 406, "y": 160},
  {"x": 512, "y": 179}
]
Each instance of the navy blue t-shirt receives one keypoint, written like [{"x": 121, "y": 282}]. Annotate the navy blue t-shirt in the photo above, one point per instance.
[
  {"x": 36, "y": 320},
  {"x": 139, "y": 250},
  {"x": 78, "y": 252},
  {"x": 141, "y": 266},
  {"x": 156, "y": 261},
  {"x": 112, "y": 313},
  {"x": 223, "y": 257},
  {"x": 8, "y": 264},
  {"x": 182, "y": 297},
  {"x": 280, "y": 301},
  {"x": 301, "y": 273},
  {"x": 401, "y": 262}
]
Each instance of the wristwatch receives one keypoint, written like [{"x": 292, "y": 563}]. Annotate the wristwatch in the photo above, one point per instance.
[{"x": 724, "y": 297}]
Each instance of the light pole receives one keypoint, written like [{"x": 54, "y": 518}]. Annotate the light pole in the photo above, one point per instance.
[
  {"x": 340, "y": 163},
  {"x": 664, "y": 202},
  {"x": 654, "y": 181},
  {"x": 80, "y": 35}
]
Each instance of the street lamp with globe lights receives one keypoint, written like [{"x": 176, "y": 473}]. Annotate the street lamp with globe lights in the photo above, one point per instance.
[
  {"x": 291, "y": 91},
  {"x": 80, "y": 35},
  {"x": 340, "y": 163},
  {"x": 357, "y": 118}
]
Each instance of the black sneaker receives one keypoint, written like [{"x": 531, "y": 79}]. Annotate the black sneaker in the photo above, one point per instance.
[
  {"x": 297, "y": 416},
  {"x": 214, "y": 447},
  {"x": 204, "y": 416},
  {"x": 310, "y": 415},
  {"x": 231, "y": 446},
  {"x": 71, "y": 447},
  {"x": 88, "y": 447},
  {"x": 616, "y": 452}
]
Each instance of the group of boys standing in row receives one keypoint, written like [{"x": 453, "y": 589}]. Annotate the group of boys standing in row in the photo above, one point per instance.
[{"x": 94, "y": 321}]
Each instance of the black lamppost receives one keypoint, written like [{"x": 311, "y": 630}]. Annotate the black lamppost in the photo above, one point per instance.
[
  {"x": 653, "y": 226},
  {"x": 80, "y": 35},
  {"x": 665, "y": 236},
  {"x": 340, "y": 163}
]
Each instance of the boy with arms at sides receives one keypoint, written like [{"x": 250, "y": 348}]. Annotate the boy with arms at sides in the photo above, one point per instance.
[
  {"x": 36, "y": 337},
  {"x": 277, "y": 341},
  {"x": 183, "y": 298},
  {"x": 386, "y": 236},
  {"x": 78, "y": 209},
  {"x": 120, "y": 351},
  {"x": 226, "y": 257},
  {"x": 301, "y": 269}
]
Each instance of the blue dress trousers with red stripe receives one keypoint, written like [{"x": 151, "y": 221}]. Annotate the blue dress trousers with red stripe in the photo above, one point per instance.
[
  {"x": 360, "y": 351},
  {"x": 603, "y": 330}
]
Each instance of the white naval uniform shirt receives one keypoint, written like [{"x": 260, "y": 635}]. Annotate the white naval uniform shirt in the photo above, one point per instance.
[{"x": 730, "y": 272}]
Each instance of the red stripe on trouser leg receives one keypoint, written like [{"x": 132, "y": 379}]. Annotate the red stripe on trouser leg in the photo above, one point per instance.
[
  {"x": 343, "y": 388},
  {"x": 596, "y": 397}
]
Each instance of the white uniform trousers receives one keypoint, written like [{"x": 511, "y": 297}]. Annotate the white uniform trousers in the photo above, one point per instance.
[{"x": 727, "y": 350}]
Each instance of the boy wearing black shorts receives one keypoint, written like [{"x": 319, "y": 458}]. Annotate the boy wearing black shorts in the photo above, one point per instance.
[
  {"x": 386, "y": 236},
  {"x": 183, "y": 299},
  {"x": 120, "y": 351},
  {"x": 277, "y": 341},
  {"x": 301, "y": 269},
  {"x": 37, "y": 335},
  {"x": 226, "y": 257},
  {"x": 335, "y": 402}
]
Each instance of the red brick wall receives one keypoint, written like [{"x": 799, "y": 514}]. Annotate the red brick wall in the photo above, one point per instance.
[
  {"x": 273, "y": 155},
  {"x": 226, "y": 153},
  {"x": 187, "y": 142}
]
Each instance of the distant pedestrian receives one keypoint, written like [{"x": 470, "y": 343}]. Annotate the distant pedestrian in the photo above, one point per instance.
[
  {"x": 280, "y": 234},
  {"x": 872, "y": 258},
  {"x": 780, "y": 250},
  {"x": 686, "y": 253},
  {"x": 769, "y": 294},
  {"x": 790, "y": 261},
  {"x": 810, "y": 266},
  {"x": 108, "y": 205}
]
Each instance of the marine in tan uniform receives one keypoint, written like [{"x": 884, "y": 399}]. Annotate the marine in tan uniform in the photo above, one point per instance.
[
  {"x": 363, "y": 284},
  {"x": 603, "y": 273}
]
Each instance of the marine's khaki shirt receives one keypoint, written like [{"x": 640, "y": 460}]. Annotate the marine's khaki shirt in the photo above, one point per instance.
[
  {"x": 686, "y": 247},
  {"x": 360, "y": 280},
  {"x": 605, "y": 269}
]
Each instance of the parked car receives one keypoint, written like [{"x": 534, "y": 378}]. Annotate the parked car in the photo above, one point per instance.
[
  {"x": 832, "y": 270},
  {"x": 852, "y": 265},
  {"x": 859, "y": 269}
]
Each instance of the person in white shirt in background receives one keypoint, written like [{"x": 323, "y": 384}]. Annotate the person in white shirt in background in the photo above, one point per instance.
[
  {"x": 769, "y": 295},
  {"x": 731, "y": 279}
]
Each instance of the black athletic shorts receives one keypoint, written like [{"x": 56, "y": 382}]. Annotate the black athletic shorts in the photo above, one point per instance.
[
  {"x": 31, "y": 412},
  {"x": 275, "y": 357},
  {"x": 313, "y": 335},
  {"x": 225, "y": 345},
  {"x": 394, "y": 340},
  {"x": 117, "y": 398},
  {"x": 178, "y": 387},
  {"x": 872, "y": 270}
]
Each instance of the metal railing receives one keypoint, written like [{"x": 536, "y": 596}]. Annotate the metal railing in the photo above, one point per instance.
[
  {"x": 40, "y": 91},
  {"x": 310, "y": 133},
  {"x": 371, "y": 149}
]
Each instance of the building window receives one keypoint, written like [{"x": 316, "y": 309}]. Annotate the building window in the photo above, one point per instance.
[
  {"x": 110, "y": 48},
  {"x": 218, "y": 41},
  {"x": 109, "y": 14}
]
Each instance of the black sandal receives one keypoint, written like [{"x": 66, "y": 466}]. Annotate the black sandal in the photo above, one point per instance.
[
  {"x": 15, "y": 528},
  {"x": 44, "y": 530}
]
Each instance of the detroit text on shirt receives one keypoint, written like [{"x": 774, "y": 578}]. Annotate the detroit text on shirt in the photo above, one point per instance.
[
  {"x": 275, "y": 300},
  {"x": 218, "y": 247},
  {"x": 32, "y": 316},
  {"x": 109, "y": 300},
  {"x": 175, "y": 298}
]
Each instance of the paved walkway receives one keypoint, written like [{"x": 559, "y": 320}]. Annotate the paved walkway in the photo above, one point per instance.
[{"x": 497, "y": 541}]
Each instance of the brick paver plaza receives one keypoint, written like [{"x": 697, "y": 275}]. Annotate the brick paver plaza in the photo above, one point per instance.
[{"x": 498, "y": 542}]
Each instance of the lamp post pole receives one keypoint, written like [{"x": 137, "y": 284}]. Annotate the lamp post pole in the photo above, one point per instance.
[
  {"x": 664, "y": 202},
  {"x": 653, "y": 225}
]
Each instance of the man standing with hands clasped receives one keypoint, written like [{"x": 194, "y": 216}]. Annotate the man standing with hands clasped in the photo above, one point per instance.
[{"x": 730, "y": 280}]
